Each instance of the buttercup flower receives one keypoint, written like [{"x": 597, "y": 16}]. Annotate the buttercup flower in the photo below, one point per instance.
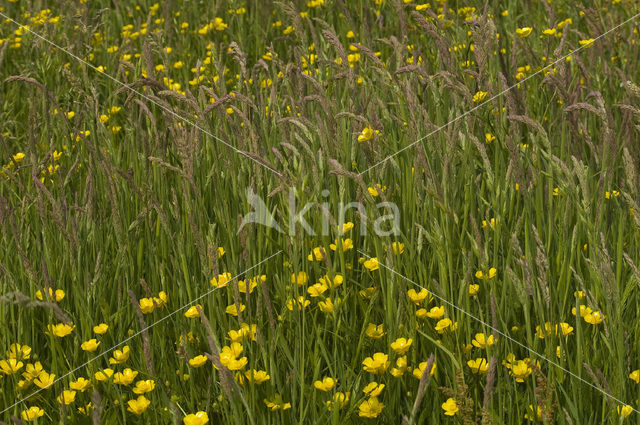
[
  {"x": 120, "y": 356},
  {"x": 199, "y": 418},
  {"x": 478, "y": 365},
  {"x": 377, "y": 364},
  {"x": 32, "y": 413},
  {"x": 90, "y": 345},
  {"x": 326, "y": 384},
  {"x": 138, "y": 406},
  {"x": 370, "y": 408},
  {"x": 401, "y": 345},
  {"x": 450, "y": 407}
]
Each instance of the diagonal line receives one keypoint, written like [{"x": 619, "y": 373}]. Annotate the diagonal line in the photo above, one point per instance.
[
  {"x": 459, "y": 117},
  {"x": 164, "y": 108},
  {"x": 498, "y": 331},
  {"x": 137, "y": 333}
]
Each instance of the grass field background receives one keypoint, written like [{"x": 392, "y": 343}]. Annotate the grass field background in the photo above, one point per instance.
[{"x": 127, "y": 149}]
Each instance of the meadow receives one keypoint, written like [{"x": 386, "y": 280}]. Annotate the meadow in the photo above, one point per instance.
[{"x": 502, "y": 137}]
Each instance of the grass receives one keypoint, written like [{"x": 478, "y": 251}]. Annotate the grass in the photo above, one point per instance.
[{"x": 112, "y": 197}]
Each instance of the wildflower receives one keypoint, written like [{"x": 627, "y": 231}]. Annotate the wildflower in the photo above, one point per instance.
[
  {"x": 19, "y": 352},
  {"x": 635, "y": 376},
  {"x": 57, "y": 295},
  {"x": 326, "y": 384},
  {"x": 480, "y": 96},
  {"x": 450, "y": 407},
  {"x": 138, "y": 406},
  {"x": 192, "y": 312},
  {"x": 375, "y": 331},
  {"x": 482, "y": 341},
  {"x": 120, "y": 356},
  {"x": 478, "y": 365},
  {"x": 229, "y": 357},
  {"x": 301, "y": 303},
  {"x": 32, "y": 413},
  {"x": 86, "y": 409},
  {"x": 549, "y": 32},
  {"x": 624, "y": 411},
  {"x": 490, "y": 275},
  {"x": 594, "y": 318},
  {"x": 376, "y": 190},
  {"x": 345, "y": 244},
  {"x": 419, "y": 371},
  {"x": 61, "y": 329},
  {"x": 377, "y": 364},
  {"x": 401, "y": 367},
  {"x": 67, "y": 397},
  {"x": 436, "y": 312},
  {"x": 340, "y": 400},
  {"x": 488, "y": 138},
  {"x": 199, "y": 418},
  {"x": 520, "y": 370},
  {"x": 90, "y": 345},
  {"x": 103, "y": 375},
  {"x": 81, "y": 384},
  {"x": 371, "y": 264},
  {"x": 101, "y": 328},
  {"x": 401, "y": 345},
  {"x": 125, "y": 377},
  {"x": 586, "y": 43},
  {"x": 366, "y": 134},
  {"x": 317, "y": 289},
  {"x": 565, "y": 329},
  {"x": 346, "y": 227},
  {"x": 145, "y": 386},
  {"x": 445, "y": 325},
  {"x": 218, "y": 24},
  {"x": 257, "y": 376},
  {"x": 276, "y": 403},
  {"x": 473, "y": 289},
  {"x": 32, "y": 371},
  {"x": 326, "y": 306},
  {"x": 373, "y": 389},
  {"x": 146, "y": 305},
  {"x": 524, "y": 32},
  {"x": 531, "y": 416},
  {"x": 299, "y": 279},
  {"x": 370, "y": 408},
  {"x": 197, "y": 361},
  {"x": 44, "y": 380},
  {"x": 162, "y": 299},
  {"x": 10, "y": 366},
  {"x": 418, "y": 297},
  {"x": 232, "y": 309},
  {"x": 316, "y": 254},
  {"x": 332, "y": 283}
]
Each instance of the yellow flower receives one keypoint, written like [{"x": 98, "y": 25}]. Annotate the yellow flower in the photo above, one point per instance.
[
  {"x": 276, "y": 403},
  {"x": 419, "y": 297},
  {"x": 520, "y": 370},
  {"x": 530, "y": 414},
  {"x": 218, "y": 24},
  {"x": 473, "y": 289},
  {"x": 101, "y": 328},
  {"x": 419, "y": 371},
  {"x": 401, "y": 345},
  {"x": 162, "y": 299},
  {"x": 316, "y": 290},
  {"x": 482, "y": 341},
  {"x": 299, "y": 279},
  {"x": 19, "y": 352},
  {"x": 257, "y": 376},
  {"x": 346, "y": 227},
  {"x": 146, "y": 305},
  {"x": 340, "y": 400},
  {"x": 594, "y": 317},
  {"x": 58, "y": 294},
  {"x": 376, "y": 190},
  {"x": 32, "y": 371},
  {"x": 61, "y": 329},
  {"x": 327, "y": 306},
  {"x": 635, "y": 376},
  {"x": 44, "y": 380},
  {"x": 300, "y": 303},
  {"x": 625, "y": 410},
  {"x": 480, "y": 96},
  {"x": 246, "y": 331},
  {"x": 488, "y": 138},
  {"x": 316, "y": 254},
  {"x": 332, "y": 283},
  {"x": 366, "y": 134},
  {"x": 524, "y": 32},
  {"x": 145, "y": 386},
  {"x": 326, "y": 384},
  {"x": 401, "y": 367},
  {"x": 120, "y": 356},
  {"x": 90, "y": 345},
  {"x": 345, "y": 244},
  {"x": 370, "y": 408},
  {"x": 67, "y": 397},
  {"x": 221, "y": 281},
  {"x": 377, "y": 364},
  {"x": 10, "y": 366},
  {"x": 586, "y": 43},
  {"x": 192, "y": 312},
  {"x": 397, "y": 247},
  {"x": 103, "y": 375},
  {"x": 492, "y": 273},
  {"x": 450, "y": 407},
  {"x": 436, "y": 312},
  {"x": 565, "y": 329},
  {"x": 81, "y": 384},
  {"x": 232, "y": 309},
  {"x": 371, "y": 264},
  {"x": 139, "y": 405},
  {"x": 229, "y": 357},
  {"x": 478, "y": 365},
  {"x": 32, "y": 413},
  {"x": 125, "y": 377},
  {"x": 375, "y": 331},
  {"x": 199, "y": 418},
  {"x": 445, "y": 325},
  {"x": 373, "y": 389},
  {"x": 198, "y": 361},
  {"x": 549, "y": 31}
]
